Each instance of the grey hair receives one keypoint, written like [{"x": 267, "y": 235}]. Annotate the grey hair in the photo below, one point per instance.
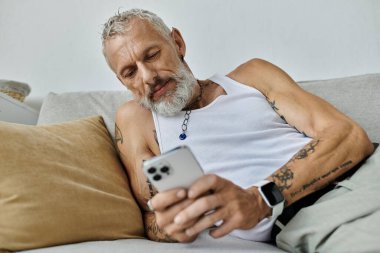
[{"x": 119, "y": 23}]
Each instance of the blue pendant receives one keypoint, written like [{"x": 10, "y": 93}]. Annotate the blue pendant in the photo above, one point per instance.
[{"x": 182, "y": 136}]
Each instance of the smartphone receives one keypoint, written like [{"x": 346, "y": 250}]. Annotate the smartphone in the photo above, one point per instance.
[{"x": 175, "y": 168}]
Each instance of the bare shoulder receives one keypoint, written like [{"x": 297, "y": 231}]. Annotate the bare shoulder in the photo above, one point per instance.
[
  {"x": 131, "y": 113},
  {"x": 262, "y": 75},
  {"x": 136, "y": 122}
]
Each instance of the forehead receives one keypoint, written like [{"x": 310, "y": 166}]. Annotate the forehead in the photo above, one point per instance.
[
  {"x": 142, "y": 30},
  {"x": 139, "y": 36}
]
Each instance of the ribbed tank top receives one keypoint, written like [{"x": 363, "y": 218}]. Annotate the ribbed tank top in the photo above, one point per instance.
[{"x": 238, "y": 136}]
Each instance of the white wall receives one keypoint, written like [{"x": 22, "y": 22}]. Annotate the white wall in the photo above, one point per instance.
[{"x": 55, "y": 45}]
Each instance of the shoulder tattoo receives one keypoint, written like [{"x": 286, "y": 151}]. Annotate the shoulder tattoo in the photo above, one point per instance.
[{"x": 118, "y": 137}]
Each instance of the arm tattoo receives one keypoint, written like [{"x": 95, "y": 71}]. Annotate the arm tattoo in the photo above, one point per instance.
[
  {"x": 272, "y": 104},
  {"x": 283, "y": 118},
  {"x": 275, "y": 108},
  {"x": 283, "y": 178},
  {"x": 118, "y": 138},
  {"x": 317, "y": 179},
  {"x": 309, "y": 148}
]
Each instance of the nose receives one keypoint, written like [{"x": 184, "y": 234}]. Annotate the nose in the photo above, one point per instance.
[{"x": 149, "y": 75}]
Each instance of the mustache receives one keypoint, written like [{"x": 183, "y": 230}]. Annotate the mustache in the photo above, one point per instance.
[{"x": 161, "y": 81}]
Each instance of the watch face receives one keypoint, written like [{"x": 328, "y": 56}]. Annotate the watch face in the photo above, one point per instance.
[{"x": 272, "y": 193}]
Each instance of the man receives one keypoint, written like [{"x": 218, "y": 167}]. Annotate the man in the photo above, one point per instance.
[{"x": 255, "y": 123}]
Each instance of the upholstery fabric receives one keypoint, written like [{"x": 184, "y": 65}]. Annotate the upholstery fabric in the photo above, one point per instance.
[
  {"x": 323, "y": 227},
  {"x": 63, "y": 184},
  {"x": 204, "y": 244},
  {"x": 57, "y": 108}
]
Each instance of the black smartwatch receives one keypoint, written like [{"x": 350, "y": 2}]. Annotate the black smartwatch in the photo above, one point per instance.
[{"x": 272, "y": 197}]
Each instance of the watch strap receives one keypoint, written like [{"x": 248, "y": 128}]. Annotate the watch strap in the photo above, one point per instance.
[{"x": 278, "y": 208}]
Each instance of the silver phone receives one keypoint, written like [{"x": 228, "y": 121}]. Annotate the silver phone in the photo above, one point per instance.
[{"x": 175, "y": 168}]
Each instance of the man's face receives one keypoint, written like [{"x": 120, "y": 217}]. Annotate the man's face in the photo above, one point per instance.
[{"x": 148, "y": 64}]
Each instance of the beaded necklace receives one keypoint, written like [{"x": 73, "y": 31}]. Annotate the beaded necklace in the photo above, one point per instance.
[{"x": 183, "y": 135}]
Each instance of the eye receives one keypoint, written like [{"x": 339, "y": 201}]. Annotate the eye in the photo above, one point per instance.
[
  {"x": 152, "y": 56},
  {"x": 130, "y": 73}
]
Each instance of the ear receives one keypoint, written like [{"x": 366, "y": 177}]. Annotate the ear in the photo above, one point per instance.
[{"x": 178, "y": 42}]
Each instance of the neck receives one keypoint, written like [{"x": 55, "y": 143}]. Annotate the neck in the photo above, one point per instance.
[{"x": 196, "y": 100}]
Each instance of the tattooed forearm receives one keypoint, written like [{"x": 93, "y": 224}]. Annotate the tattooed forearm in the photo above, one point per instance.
[
  {"x": 317, "y": 179},
  {"x": 118, "y": 138},
  {"x": 308, "y": 149},
  {"x": 346, "y": 164},
  {"x": 283, "y": 178}
]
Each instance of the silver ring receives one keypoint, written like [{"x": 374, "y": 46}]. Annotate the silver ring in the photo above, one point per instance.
[{"x": 149, "y": 204}]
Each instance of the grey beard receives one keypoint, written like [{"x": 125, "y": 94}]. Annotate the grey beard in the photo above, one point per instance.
[{"x": 173, "y": 101}]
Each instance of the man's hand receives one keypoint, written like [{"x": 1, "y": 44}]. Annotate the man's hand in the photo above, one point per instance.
[
  {"x": 166, "y": 206},
  {"x": 220, "y": 200}
]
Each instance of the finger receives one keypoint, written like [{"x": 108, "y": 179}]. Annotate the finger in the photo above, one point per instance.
[
  {"x": 198, "y": 208},
  {"x": 163, "y": 200},
  {"x": 207, "y": 221},
  {"x": 174, "y": 228},
  {"x": 183, "y": 237},
  {"x": 165, "y": 217},
  {"x": 224, "y": 229},
  {"x": 204, "y": 185}
]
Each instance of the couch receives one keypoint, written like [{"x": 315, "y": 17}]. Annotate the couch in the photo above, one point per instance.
[{"x": 356, "y": 96}]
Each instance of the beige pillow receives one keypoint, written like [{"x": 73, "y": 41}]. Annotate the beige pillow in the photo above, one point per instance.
[{"x": 62, "y": 184}]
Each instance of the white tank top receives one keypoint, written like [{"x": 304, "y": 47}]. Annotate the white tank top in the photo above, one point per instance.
[{"x": 238, "y": 137}]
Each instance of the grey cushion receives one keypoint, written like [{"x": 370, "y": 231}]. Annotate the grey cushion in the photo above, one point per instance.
[
  {"x": 204, "y": 244},
  {"x": 356, "y": 96},
  {"x": 57, "y": 108}
]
